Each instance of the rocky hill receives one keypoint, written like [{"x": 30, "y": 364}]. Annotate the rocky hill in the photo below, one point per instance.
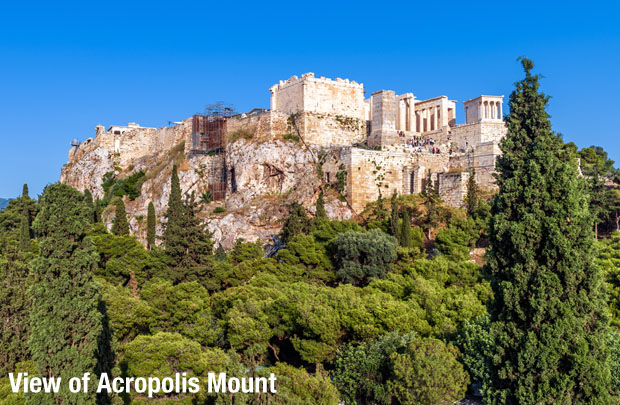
[
  {"x": 269, "y": 173},
  {"x": 4, "y": 202}
]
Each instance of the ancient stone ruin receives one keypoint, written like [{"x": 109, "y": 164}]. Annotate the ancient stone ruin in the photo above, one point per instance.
[{"x": 318, "y": 134}]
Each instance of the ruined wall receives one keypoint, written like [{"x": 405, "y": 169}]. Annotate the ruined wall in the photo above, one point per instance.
[
  {"x": 319, "y": 95},
  {"x": 265, "y": 126},
  {"x": 330, "y": 130},
  {"x": 453, "y": 187},
  {"x": 370, "y": 171},
  {"x": 468, "y": 135},
  {"x": 482, "y": 158}
]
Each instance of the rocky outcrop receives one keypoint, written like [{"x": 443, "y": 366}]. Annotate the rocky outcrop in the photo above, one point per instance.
[{"x": 263, "y": 177}]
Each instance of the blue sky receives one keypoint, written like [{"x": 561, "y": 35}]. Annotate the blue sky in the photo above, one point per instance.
[{"x": 66, "y": 67}]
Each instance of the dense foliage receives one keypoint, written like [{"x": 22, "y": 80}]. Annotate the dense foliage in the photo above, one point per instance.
[
  {"x": 390, "y": 308},
  {"x": 548, "y": 317}
]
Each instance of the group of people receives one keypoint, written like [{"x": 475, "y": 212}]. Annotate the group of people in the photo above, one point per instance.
[
  {"x": 421, "y": 142},
  {"x": 418, "y": 141}
]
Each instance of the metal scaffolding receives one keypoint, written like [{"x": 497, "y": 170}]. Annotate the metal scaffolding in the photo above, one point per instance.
[{"x": 209, "y": 129}]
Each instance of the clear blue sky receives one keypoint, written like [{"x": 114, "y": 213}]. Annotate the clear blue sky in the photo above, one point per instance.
[{"x": 65, "y": 68}]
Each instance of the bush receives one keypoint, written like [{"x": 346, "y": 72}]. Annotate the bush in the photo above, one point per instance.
[
  {"x": 363, "y": 255},
  {"x": 428, "y": 372},
  {"x": 130, "y": 186}
]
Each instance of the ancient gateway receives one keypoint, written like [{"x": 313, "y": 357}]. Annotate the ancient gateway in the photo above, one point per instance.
[
  {"x": 389, "y": 142},
  {"x": 368, "y": 146}
]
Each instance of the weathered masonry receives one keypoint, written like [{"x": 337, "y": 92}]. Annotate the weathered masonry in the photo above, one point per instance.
[{"x": 381, "y": 144}]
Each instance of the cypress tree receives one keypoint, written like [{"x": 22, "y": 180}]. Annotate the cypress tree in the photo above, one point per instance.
[
  {"x": 406, "y": 239},
  {"x": 192, "y": 252},
  {"x": 394, "y": 231},
  {"x": 599, "y": 200},
  {"x": 220, "y": 254},
  {"x": 24, "y": 233},
  {"x": 88, "y": 198},
  {"x": 472, "y": 198},
  {"x": 548, "y": 315},
  {"x": 320, "y": 207},
  {"x": 69, "y": 333},
  {"x": 150, "y": 226},
  {"x": 25, "y": 191},
  {"x": 97, "y": 211},
  {"x": 120, "y": 226},
  {"x": 14, "y": 309},
  {"x": 432, "y": 203},
  {"x": 174, "y": 214}
]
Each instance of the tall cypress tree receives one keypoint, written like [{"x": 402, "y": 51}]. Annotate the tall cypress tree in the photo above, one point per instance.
[
  {"x": 549, "y": 321},
  {"x": 394, "y": 217},
  {"x": 472, "y": 198},
  {"x": 24, "y": 232},
  {"x": 192, "y": 250},
  {"x": 406, "y": 238},
  {"x": 88, "y": 198},
  {"x": 432, "y": 203},
  {"x": 25, "y": 191},
  {"x": 174, "y": 213},
  {"x": 120, "y": 226},
  {"x": 320, "y": 207},
  {"x": 14, "y": 309},
  {"x": 97, "y": 211},
  {"x": 69, "y": 335},
  {"x": 150, "y": 226}
]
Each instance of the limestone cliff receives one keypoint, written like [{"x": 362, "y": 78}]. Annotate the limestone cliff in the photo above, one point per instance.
[{"x": 264, "y": 175}]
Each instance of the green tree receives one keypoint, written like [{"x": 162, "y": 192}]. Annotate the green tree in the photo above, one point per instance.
[
  {"x": 428, "y": 372},
  {"x": 69, "y": 335},
  {"x": 363, "y": 255},
  {"x": 14, "y": 308},
  {"x": 472, "y": 197},
  {"x": 25, "y": 191},
  {"x": 362, "y": 371},
  {"x": 320, "y": 207},
  {"x": 406, "y": 237},
  {"x": 296, "y": 223},
  {"x": 24, "y": 233},
  {"x": 97, "y": 211},
  {"x": 150, "y": 226},
  {"x": 548, "y": 317},
  {"x": 599, "y": 200},
  {"x": 88, "y": 198},
  {"x": 120, "y": 226},
  {"x": 432, "y": 204},
  {"x": 174, "y": 214},
  {"x": 190, "y": 247},
  {"x": 394, "y": 220}
]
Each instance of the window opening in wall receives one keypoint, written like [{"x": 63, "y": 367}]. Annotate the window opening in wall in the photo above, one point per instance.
[{"x": 467, "y": 115}]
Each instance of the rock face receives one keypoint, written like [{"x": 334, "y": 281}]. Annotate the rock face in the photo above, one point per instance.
[{"x": 263, "y": 176}]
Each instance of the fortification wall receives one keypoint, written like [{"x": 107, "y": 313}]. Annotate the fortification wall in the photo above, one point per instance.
[
  {"x": 331, "y": 130},
  {"x": 268, "y": 125},
  {"x": 468, "y": 135},
  {"x": 482, "y": 159},
  {"x": 371, "y": 171},
  {"x": 453, "y": 187},
  {"x": 319, "y": 95}
]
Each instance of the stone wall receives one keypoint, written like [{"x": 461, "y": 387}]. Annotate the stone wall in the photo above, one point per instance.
[
  {"x": 469, "y": 135},
  {"x": 453, "y": 187},
  {"x": 319, "y": 95},
  {"x": 268, "y": 125},
  {"x": 371, "y": 171}
]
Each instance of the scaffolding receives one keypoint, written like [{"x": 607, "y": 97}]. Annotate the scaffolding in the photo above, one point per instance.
[
  {"x": 217, "y": 179},
  {"x": 209, "y": 129}
]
